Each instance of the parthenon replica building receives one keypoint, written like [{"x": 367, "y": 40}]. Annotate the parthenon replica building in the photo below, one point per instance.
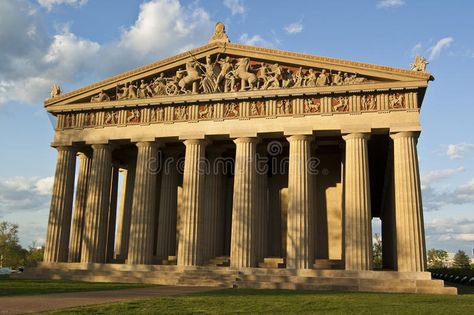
[{"x": 239, "y": 166}]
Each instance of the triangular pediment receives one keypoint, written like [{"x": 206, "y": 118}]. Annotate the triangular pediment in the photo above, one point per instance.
[{"x": 222, "y": 69}]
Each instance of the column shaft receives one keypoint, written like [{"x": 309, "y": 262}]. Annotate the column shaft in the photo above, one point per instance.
[
  {"x": 358, "y": 225},
  {"x": 59, "y": 223},
  {"x": 94, "y": 239},
  {"x": 166, "y": 234},
  {"x": 79, "y": 208},
  {"x": 140, "y": 250},
  {"x": 410, "y": 238},
  {"x": 189, "y": 251},
  {"x": 244, "y": 238},
  {"x": 112, "y": 220},
  {"x": 300, "y": 225}
]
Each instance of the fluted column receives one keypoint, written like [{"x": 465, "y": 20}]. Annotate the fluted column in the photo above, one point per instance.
[
  {"x": 59, "y": 223},
  {"x": 95, "y": 228},
  {"x": 112, "y": 220},
  {"x": 166, "y": 233},
  {"x": 123, "y": 229},
  {"x": 77, "y": 228},
  {"x": 300, "y": 225},
  {"x": 358, "y": 225},
  {"x": 189, "y": 251},
  {"x": 262, "y": 202},
  {"x": 408, "y": 207},
  {"x": 140, "y": 249},
  {"x": 244, "y": 238}
]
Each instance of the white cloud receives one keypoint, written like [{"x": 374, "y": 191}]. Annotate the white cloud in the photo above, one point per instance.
[
  {"x": 24, "y": 194},
  {"x": 390, "y": 3},
  {"x": 33, "y": 60},
  {"x": 235, "y": 6},
  {"x": 443, "y": 43},
  {"x": 457, "y": 151},
  {"x": 450, "y": 233},
  {"x": 48, "y": 4},
  {"x": 436, "y": 175},
  {"x": 294, "y": 28},
  {"x": 255, "y": 40},
  {"x": 435, "y": 199},
  {"x": 416, "y": 49}
]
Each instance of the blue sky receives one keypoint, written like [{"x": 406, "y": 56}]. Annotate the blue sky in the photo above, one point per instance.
[{"x": 77, "y": 42}]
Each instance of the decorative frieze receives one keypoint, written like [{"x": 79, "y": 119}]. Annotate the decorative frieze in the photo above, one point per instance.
[{"x": 270, "y": 108}]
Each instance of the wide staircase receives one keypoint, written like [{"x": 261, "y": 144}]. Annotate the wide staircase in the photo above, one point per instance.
[{"x": 258, "y": 278}]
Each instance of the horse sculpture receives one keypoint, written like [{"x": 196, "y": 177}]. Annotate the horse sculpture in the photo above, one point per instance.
[
  {"x": 246, "y": 77},
  {"x": 192, "y": 75}
]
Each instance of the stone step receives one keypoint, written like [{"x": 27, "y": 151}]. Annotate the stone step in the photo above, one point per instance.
[
  {"x": 272, "y": 262},
  {"x": 328, "y": 264}
]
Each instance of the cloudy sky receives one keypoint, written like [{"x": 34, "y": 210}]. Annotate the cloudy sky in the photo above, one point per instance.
[{"x": 77, "y": 42}]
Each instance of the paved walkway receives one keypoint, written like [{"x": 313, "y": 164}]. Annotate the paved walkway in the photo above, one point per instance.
[{"x": 45, "y": 302}]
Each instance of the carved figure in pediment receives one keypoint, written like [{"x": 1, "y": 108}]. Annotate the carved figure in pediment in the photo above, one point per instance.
[
  {"x": 158, "y": 85},
  {"x": 248, "y": 79},
  {"x": 337, "y": 79},
  {"x": 310, "y": 106},
  {"x": 132, "y": 91},
  {"x": 101, "y": 97},
  {"x": 133, "y": 115},
  {"x": 311, "y": 77},
  {"x": 144, "y": 90},
  {"x": 368, "y": 102},
  {"x": 353, "y": 79},
  {"x": 273, "y": 77},
  {"x": 287, "y": 79},
  {"x": 209, "y": 81},
  {"x": 419, "y": 64},
  {"x": 55, "y": 90},
  {"x": 298, "y": 78},
  {"x": 122, "y": 93},
  {"x": 262, "y": 74},
  {"x": 396, "y": 100},
  {"x": 190, "y": 76},
  {"x": 231, "y": 110},
  {"x": 341, "y": 104},
  {"x": 322, "y": 79},
  {"x": 225, "y": 75}
]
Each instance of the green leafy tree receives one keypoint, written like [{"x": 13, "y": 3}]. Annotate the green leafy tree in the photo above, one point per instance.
[
  {"x": 437, "y": 258},
  {"x": 461, "y": 260},
  {"x": 377, "y": 251},
  {"x": 11, "y": 252},
  {"x": 34, "y": 255}
]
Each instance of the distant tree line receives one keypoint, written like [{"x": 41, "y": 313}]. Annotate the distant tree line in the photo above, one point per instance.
[{"x": 12, "y": 254}]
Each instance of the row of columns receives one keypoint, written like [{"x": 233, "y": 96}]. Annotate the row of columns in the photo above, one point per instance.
[{"x": 200, "y": 227}]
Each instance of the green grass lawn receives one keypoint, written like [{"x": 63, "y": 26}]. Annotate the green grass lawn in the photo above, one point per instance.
[
  {"x": 247, "y": 301},
  {"x": 10, "y": 286}
]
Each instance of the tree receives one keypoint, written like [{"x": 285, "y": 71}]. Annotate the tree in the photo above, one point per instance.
[
  {"x": 11, "y": 252},
  {"x": 34, "y": 255},
  {"x": 461, "y": 260},
  {"x": 377, "y": 251},
  {"x": 437, "y": 258}
]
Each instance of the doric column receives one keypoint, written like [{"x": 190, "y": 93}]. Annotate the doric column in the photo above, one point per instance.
[
  {"x": 408, "y": 208},
  {"x": 358, "y": 225},
  {"x": 189, "y": 251},
  {"x": 79, "y": 208},
  {"x": 244, "y": 240},
  {"x": 262, "y": 202},
  {"x": 300, "y": 225},
  {"x": 98, "y": 196},
  {"x": 166, "y": 233},
  {"x": 112, "y": 220},
  {"x": 140, "y": 249},
  {"x": 126, "y": 200},
  {"x": 59, "y": 223}
]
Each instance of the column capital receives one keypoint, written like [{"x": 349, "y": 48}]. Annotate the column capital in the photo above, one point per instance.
[
  {"x": 142, "y": 144},
  {"x": 356, "y": 135},
  {"x": 66, "y": 148},
  {"x": 300, "y": 137},
  {"x": 196, "y": 142},
  {"x": 405, "y": 134},
  {"x": 247, "y": 140},
  {"x": 104, "y": 146}
]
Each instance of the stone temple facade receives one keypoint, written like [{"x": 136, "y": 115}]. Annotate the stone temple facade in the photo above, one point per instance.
[{"x": 241, "y": 166}]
